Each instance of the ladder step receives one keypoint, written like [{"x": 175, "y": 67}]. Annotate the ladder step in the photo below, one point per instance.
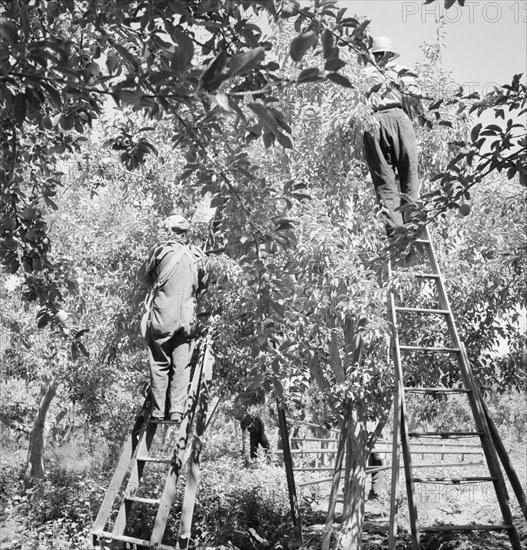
[
  {"x": 421, "y": 241},
  {"x": 454, "y": 480},
  {"x": 155, "y": 460},
  {"x": 436, "y": 390},
  {"x": 427, "y": 276},
  {"x": 422, "y": 310},
  {"x": 143, "y": 500},
  {"x": 446, "y": 435},
  {"x": 130, "y": 540},
  {"x": 491, "y": 527},
  {"x": 164, "y": 421},
  {"x": 430, "y": 349}
]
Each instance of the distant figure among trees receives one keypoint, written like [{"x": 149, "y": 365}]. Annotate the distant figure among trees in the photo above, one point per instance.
[{"x": 256, "y": 429}]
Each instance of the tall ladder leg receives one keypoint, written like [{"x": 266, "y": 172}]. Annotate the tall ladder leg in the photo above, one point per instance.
[
  {"x": 189, "y": 499},
  {"x": 134, "y": 480},
  {"x": 489, "y": 442},
  {"x": 405, "y": 442},
  {"x": 123, "y": 467},
  {"x": 288, "y": 463},
  {"x": 136, "y": 455},
  {"x": 396, "y": 460},
  {"x": 477, "y": 410}
]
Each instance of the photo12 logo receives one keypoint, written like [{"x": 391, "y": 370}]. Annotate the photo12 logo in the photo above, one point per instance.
[{"x": 489, "y": 12}]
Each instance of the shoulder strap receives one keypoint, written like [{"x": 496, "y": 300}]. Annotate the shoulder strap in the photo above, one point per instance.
[
  {"x": 168, "y": 275},
  {"x": 173, "y": 266}
]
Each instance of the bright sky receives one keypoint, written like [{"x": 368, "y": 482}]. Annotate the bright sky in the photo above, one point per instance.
[{"x": 486, "y": 41}]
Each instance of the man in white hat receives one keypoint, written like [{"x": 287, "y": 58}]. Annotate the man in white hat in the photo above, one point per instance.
[
  {"x": 390, "y": 146},
  {"x": 174, "y": 272}
]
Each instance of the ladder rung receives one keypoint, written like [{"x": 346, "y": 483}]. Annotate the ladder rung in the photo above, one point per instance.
[
  {"x": 314, "y": 469},
  {"x": 130, "y": 540},
  {"x": 427, "y": 275},
  {"x": 490, "y": 527},
  {"x": 436, "y": 390},
  {"x": 446, "y": 451},
  {"x": 154, "y": 459},
  {"x": 428, "y": 349},
  {"x": 445, "y": 435},
  {"x": 422, "y": 310},
  {"x": 143, "y": 500},
  {"x": 454, "y": 480}
]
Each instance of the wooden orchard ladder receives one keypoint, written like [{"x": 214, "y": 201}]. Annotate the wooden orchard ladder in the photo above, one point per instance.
[
  {"x": 126, "y": 481},
  {"x": 427, "y": 271}
]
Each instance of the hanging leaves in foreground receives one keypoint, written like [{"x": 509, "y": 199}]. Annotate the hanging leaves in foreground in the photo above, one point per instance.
[{"x": 301, "y": 43}]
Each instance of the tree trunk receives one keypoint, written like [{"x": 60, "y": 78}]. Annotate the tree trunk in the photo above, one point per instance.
[
  {"x": 350, "y": 535},
  {"x": 35, "y": 454}
]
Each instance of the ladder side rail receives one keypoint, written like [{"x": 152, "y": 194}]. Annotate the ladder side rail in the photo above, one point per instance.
[
  {"x": 475, "y": 404},
  {"x": 335, "y": 482},
  {"x": 405, "y": 441},
  {"x": 505, "y": 460},
  {"x": 396, "y": 456},
  {"x": 123, "y": 466},
  {"x": 189, "y": 499},
  {"x": 134, "y": 480},
  {"x": 288, "y": 464},
  {"x": 491, "y": 454},
  {"x": 444, "y": 303},
  {"x": 184, "y": 435},
  {"x": 397, "y": 428}
]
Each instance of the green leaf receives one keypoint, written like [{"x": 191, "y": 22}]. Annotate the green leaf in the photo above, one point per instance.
[
  {"x": 126, "y": 55},
  {"x": 301, "y": 43},
  {"x": 309, "y": 75},
  {"x": 494, "y": 128},
  {"x": 8, "y": 31},
  {"x": 328, "y": 41},
  {"x": 475, "y": 132},
  {"x": 83, "y": 349},
  {"x": 50, "y": 203},
  {"x": 129, "y": 97},
  {"x": 20, "y": 108},
  {"x": 284, "y": 140},
  {"x": 242, "y": 63},
  {"x": 112, "y": 62},
  {"x": 449, "y": 3},
  {"x": 214, "y": 73},
  {"x": 74, "y": 351},
  {"x": 339, "y": 79},
  {"x": 67, "y": 121},
  {"x": 334, "y": 64},
  {"x": 43, "y": 320},
  {"x": 265, "y": 116},
  {"x": 186, "y": 46}
]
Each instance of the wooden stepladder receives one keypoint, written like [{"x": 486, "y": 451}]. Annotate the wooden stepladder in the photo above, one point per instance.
[
  {"x": 449, "y": 376},
  {"x": 115, "y": 517}
]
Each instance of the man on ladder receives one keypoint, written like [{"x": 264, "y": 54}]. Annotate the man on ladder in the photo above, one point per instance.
[
  {"x": 175, "y": 274},
  {"x": 390, "y": 147}
]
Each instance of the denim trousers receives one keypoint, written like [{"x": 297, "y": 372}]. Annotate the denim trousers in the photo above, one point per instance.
[
  {"x": 170, "y": 366},
  {"x": 391, "y": 153}
]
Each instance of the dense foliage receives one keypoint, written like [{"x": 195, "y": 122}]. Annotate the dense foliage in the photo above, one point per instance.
[{"x": 246, "y": 117}]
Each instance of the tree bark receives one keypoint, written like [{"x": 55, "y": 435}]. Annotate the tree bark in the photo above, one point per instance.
[
  {"x": 350, "y": 535},
  {"x": 35, "y": 455}
]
